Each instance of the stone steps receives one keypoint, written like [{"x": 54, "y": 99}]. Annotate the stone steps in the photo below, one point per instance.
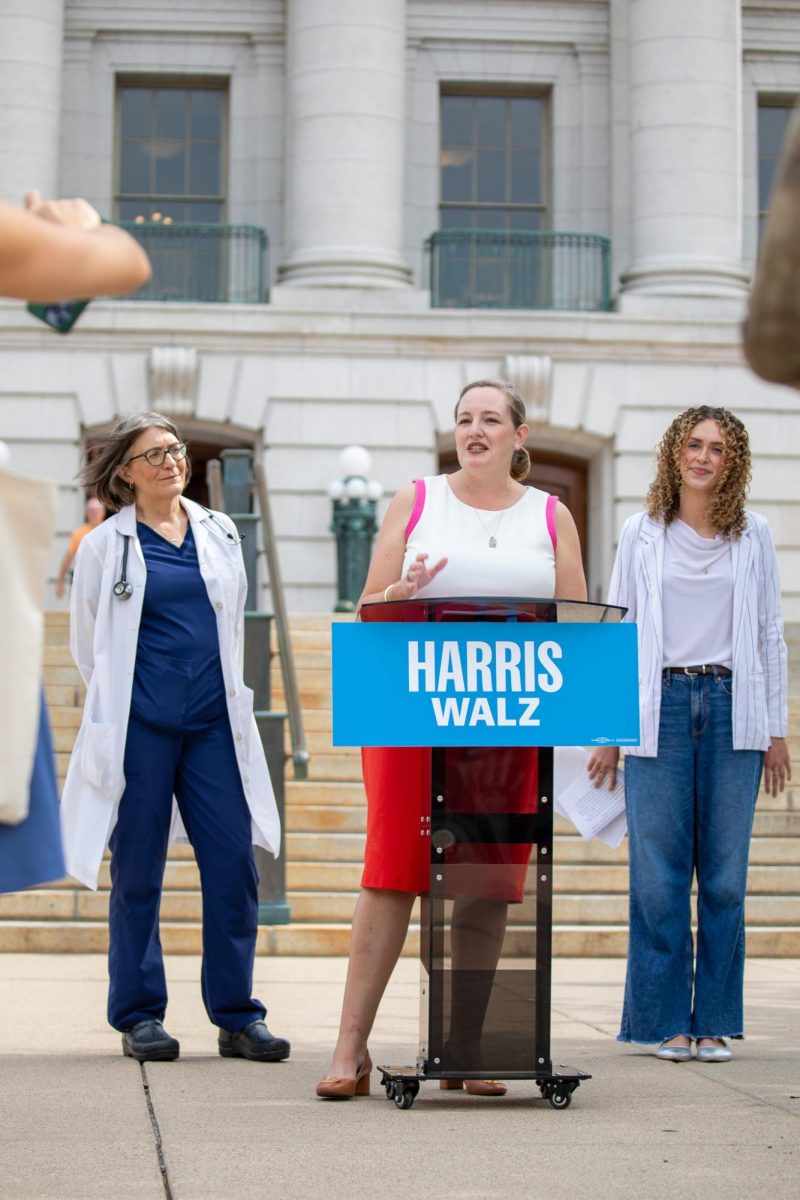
[
  {"x": 184, "y": 906},
  {"x": 182, "y": 875},
  {"x": 594, "y": 941},
  {"x": 325, "y": 821}
]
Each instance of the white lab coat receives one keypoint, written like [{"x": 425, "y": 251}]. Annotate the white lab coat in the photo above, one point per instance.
[{"x": 104, "y": 633}]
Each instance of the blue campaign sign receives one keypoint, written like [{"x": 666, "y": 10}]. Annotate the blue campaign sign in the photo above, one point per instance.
[{"x": 485, "y": 684}]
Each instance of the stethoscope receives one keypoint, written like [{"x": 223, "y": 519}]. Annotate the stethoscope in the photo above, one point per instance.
[{"x": 123, "y": 590}]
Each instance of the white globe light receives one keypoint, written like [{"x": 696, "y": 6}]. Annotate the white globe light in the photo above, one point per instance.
[
  {"x": 336, "y": 489},
  {"x": 5, "y": 454},
  {"x": 356, "y": 487},
  {"x": 355, "y": 460},
  {"x": 374, "y": 490}
]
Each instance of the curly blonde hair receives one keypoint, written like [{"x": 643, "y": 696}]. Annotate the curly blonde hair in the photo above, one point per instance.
[{"x": 727, "y": 504}]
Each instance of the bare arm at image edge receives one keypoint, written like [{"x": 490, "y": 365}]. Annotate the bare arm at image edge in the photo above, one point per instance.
[{"x": 59, "y": 249}]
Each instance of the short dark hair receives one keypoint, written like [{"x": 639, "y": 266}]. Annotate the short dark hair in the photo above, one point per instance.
[{"x": 101, "y": 475}]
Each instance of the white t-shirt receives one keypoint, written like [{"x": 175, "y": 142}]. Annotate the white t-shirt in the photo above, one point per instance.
[
  {"x": 697, "y": 597},
  {"x": 520, "y": 563}
]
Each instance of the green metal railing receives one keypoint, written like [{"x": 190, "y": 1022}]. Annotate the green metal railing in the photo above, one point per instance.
[
  {"x": 484, "y": 268},
  {"x": 224, "y": 264}
]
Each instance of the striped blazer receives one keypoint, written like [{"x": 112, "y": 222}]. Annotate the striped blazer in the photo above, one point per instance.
[{"x": 760, "y": 670}]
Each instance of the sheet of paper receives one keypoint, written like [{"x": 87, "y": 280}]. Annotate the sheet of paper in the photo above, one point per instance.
[{"x": 595, "y": 812}]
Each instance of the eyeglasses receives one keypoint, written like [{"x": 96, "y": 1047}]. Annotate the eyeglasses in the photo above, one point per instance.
[{"x": 157, "y": 456}]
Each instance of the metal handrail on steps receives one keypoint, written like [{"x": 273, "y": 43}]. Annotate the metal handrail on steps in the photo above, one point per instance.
[
  {"x": 216, "y": 496},
  {"x": 290, "y": 686}
]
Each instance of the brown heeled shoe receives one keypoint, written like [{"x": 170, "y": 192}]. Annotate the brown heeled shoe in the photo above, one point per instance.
[
  {"x": 332, "y": 1087},
  {"x": 474, "y": 1087}
]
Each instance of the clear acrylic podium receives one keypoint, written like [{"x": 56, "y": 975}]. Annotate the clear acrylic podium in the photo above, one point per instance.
[{"x": 486, "y": 923}]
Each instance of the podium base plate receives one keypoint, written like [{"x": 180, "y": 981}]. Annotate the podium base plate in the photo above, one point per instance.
[{"x": 402, "y": 1084}]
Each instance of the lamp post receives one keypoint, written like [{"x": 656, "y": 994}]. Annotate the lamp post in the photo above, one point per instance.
[{"x": 355, "y": 501}]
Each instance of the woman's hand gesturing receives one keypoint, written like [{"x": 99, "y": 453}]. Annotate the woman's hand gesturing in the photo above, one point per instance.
[{"x": 418, "y": 575}]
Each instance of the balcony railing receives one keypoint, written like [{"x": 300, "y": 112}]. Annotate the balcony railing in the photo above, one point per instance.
[
  {"x": 224, "y": 264},
  {"x": 498, "y": 269}
]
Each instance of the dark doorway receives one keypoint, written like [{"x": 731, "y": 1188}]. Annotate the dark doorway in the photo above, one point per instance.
[
  {"x": 560, "y": 474},
  {"x": 564, "y": 477},
  {"x": 201, "y": 454}
]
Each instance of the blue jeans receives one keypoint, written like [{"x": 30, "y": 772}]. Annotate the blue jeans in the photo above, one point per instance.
[{"x": 690, "y": 813}]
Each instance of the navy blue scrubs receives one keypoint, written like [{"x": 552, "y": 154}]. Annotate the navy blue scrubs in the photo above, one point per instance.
[{"x": 179, "y": 742}]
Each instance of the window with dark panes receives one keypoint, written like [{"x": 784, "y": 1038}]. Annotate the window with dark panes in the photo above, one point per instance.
[
  {"x": 171, "y": 153},
  {"x": 492, "y": 185},
  {"x": 171, "y": 170},
  {"x": 492, "y": 168},
  {"x": 773, "y": 117}
]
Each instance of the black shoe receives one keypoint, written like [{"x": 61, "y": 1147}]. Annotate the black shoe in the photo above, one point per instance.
[
  {"x": 148, "y": 1041},
  {"x": 254, "y": 1042}
]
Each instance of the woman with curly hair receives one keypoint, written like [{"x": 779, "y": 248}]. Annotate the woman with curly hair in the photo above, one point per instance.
[{"x": 697, "y": 573}]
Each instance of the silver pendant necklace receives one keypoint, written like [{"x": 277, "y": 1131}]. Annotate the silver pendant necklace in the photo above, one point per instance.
[
  {"x": 715, "y": 560},
  {"x": 491, "y": 536},
  {"x": 175, "y": 539},
  {"x": 709, "y": 556}
]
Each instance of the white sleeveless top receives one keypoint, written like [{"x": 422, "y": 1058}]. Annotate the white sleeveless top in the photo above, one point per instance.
[{"x": 521, "y": 563}]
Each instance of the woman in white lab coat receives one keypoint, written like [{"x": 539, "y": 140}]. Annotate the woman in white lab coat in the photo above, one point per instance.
[{"x": 157, "y": 615}]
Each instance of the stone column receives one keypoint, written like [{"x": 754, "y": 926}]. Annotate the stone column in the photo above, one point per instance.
[
  {"x": 31, "y": 48},
  {"x": 345, "y": 80},
  {"x": 684, "y": 69}
]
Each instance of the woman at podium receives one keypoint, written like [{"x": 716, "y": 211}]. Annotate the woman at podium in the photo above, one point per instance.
[
  {"x": 697, "y": 572},
  {"x": 480, "y": 531}
]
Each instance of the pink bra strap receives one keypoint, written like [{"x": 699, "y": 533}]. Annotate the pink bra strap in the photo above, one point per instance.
[
  {"x": 550, "y": 513},
  {"x": 419, "y": 504}
]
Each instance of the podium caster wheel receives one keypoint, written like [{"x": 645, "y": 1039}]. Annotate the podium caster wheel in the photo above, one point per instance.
[
  {"x": 405, "y": 1092},
  {"x": 389, "y": 1087},
  {"x": 560, "y": 1099}
]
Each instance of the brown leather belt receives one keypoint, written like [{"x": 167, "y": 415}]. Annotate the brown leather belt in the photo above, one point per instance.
[{"x": 703, "y": 669}]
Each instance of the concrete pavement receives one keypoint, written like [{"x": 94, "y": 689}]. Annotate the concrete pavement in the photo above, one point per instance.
[{"x": 80, "y": 1122}]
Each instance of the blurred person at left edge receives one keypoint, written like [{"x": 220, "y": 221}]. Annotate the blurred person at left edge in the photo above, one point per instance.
[
  {"x": 49, "y": 250},
  {"x": 168, "y": 747}
]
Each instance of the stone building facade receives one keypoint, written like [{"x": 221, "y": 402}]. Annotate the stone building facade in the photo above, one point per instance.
[{"x": 334, "y": 128}]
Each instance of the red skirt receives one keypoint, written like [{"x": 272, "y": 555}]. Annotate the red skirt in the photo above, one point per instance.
[{"x": 397, "y": 780}]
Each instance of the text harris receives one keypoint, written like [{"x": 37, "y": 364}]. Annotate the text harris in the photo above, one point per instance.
[{"x": 474, "y": 682}]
